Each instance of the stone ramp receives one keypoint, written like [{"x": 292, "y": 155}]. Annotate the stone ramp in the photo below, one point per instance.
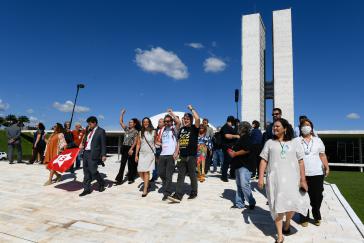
[{"x": 30, "y": 212}]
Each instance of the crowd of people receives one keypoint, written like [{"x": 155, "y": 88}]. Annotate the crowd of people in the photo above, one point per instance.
[{"x": 293, "y": 161}]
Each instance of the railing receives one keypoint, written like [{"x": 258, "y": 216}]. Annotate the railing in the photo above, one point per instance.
[{"x": 348, "y": 165}]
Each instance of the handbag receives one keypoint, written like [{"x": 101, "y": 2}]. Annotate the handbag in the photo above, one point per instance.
[{"x": 154, "y": 152}]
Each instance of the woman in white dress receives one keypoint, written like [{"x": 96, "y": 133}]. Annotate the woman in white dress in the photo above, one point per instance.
[
  {"x": 286, "y": 182},
  {"x": 145, "y": 152},
  {"x": 316, "y": 168}
]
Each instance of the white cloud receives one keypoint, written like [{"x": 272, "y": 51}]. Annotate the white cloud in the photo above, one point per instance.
[
  {"x": 214, "y": 65},
  {"x": 353, "y": 116},
  {"x": 158, "y": 60},
  {"x": 3, "y": 106},
  {"x": 68, "y": 106},
  {"x": 214, "y": 44},
  {"x": 195, "y": 45},
  {"x": 101, "y": 117},
  {"x": 30, "y": 111}
]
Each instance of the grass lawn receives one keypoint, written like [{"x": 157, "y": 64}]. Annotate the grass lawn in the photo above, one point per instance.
[
  {"x": 26, "y": 146},
  {"x": 351, "y": 185}
]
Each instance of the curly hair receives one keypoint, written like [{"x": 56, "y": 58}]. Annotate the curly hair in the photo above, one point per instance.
[{"x": 289, "y": 134}]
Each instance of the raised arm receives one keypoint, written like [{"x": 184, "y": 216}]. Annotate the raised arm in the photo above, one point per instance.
[
  {"x": 121, "y": 120},
  {"x": 196, "y": 117},
  {"x": 175, "y": 118}
]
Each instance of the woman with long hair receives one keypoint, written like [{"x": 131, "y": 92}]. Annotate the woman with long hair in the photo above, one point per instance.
[
  {"x": 128, "y": 149},
  {"x": 316, "y": 168},
  {"x": 38, "y": 145},
  {"x": 285, "y": 181},
  {"x": 203, "y": 147},
  {"x": 55, "y": 145},
  {"x": 145, "y": 152}
]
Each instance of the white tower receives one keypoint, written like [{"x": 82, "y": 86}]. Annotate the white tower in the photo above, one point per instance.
[
  {"x": 254, "y": 90},
  {"x": 253, "y": 49}
]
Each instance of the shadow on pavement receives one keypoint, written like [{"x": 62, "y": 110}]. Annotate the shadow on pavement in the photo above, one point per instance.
[{"x": 229, "y": 194}]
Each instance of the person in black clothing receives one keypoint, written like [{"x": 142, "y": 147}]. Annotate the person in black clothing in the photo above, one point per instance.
[
  {"x": 68, "y": 136},
  {"x": 229, "y": 138},
  {"x": 187, "y": 143},
  {"x": 38, "y": 145},
  {"x": 218, "y": 156},
  {"x": 243, "y": 164},
  {"x": 256, "y": 139}
]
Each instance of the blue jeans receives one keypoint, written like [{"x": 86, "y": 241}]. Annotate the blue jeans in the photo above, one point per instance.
[
  {"x": 243, "y": 191},
  {"x": 217, "y": 158}
]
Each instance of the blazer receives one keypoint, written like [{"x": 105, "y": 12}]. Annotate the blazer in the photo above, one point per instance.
[
  {"x": 13, "y": 133},
  {"x": 98, "y": 144}
]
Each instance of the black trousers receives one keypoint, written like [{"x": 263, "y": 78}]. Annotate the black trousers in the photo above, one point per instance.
[
  {"x": 165, "y": 171},
  {"x": 132, "y": 166},
  {"x": 254, "y": 155},
  {"x": 90, "y": 171},
  {"x": 225, "y": 166},
  {"x": 208, "y": 161},
  {"x": 315, "y": 189},
  {"x": 186, "y": 164}
]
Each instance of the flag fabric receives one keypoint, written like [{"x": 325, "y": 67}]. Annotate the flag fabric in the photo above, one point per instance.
[{"x": 64, "y": 161}]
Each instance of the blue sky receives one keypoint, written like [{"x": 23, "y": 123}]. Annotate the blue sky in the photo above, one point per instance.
[{"x": 47, "y": 47}]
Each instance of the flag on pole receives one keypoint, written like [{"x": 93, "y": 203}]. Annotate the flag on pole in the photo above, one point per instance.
[{"x": 64, "y": 161}]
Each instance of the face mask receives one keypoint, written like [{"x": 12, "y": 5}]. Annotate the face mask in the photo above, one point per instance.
[{"x": 306, "y": 130}]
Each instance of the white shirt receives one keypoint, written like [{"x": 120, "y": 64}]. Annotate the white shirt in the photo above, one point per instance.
[
  {"x": 169, "y": 141},
  {"x": 89, "y": 138},
  {"x": 311, "y": 158}
]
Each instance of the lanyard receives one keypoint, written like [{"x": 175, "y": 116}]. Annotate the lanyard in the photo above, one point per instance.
[
  {"x": 308, "y": 149},
  {"x": 283, "y": 150}
]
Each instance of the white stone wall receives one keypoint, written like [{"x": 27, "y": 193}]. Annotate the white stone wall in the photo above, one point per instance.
[
  {"x": 252, "y": 89},
  {"x": 283, "y": 63}
]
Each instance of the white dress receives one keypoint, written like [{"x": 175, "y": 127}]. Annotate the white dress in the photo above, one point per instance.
[
  {"x": 283, "y": 177},
  {"x": 146, "y": 161}
]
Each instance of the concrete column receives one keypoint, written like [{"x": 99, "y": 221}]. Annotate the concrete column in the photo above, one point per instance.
[
  {"x": 252, "y": 88},
  {"x": 283, "y": 63}
]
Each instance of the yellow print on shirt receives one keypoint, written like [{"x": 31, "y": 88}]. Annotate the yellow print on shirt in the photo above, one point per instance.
[{"x": 184, "y": 139}]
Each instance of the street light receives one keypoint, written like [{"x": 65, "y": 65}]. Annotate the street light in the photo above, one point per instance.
[{"x": 79, "y": 86}]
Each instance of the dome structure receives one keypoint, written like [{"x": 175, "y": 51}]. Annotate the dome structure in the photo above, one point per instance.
[{"x": 180, "y": 114}]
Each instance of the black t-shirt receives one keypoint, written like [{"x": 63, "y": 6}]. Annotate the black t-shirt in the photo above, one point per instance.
[
  {"x": 246, "y": 161},
  {"x": 187, "y": 138},
  {"x": 226, "y": 129}
]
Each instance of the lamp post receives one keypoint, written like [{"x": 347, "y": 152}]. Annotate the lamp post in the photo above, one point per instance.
[
  {"x": 237, "y": 103},
  {"x": 79, "y": 86}
]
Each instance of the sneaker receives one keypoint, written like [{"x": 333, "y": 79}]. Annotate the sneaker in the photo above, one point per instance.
[
  {"x": 251, "y": 207},
  {"x": 304, "y": 224},
  {"x": 165, "y": 197},
  {"x": 225, "y": 179},
  {"x": 174, "y": 198},
  {"x": 317, "y": 222},
  {"x": 84, "y": 193},
  {"x": 192, "y": 196}
]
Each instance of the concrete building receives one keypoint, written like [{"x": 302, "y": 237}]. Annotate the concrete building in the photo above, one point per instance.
[
  {"x": 255, "y": 89},
  {"x": 253, "y": 68}
]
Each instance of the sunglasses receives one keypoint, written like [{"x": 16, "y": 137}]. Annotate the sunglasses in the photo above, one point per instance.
[
  {"x": 167, "y": 121},
  {"x": 275, "y": 114}
]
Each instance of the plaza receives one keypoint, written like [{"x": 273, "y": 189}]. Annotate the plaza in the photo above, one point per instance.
[{"x": 31, "y": 212}]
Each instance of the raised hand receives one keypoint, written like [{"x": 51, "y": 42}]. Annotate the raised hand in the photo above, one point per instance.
[
  {"x": 123, "y": 111},
  {"x": 190, "y": 107}
]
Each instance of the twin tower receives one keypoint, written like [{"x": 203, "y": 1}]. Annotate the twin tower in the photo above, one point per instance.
[{"x": 255, "y": 88}]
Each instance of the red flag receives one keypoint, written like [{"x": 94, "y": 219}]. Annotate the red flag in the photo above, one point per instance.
[{"x": 64, "y": 161}]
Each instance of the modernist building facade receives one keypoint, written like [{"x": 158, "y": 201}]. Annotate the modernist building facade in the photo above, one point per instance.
[{"x": 255, "y": 88}]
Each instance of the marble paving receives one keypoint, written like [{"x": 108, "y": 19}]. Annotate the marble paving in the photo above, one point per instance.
[{"x": 31, "y": 212}]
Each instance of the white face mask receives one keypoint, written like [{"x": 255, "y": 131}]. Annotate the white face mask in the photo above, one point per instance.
[{"x": 306, "y": 130}]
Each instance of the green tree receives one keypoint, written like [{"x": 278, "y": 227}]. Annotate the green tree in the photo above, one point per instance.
[
  {"x": 2, "y": 121},
  {"x": 23, "y": 119}
]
